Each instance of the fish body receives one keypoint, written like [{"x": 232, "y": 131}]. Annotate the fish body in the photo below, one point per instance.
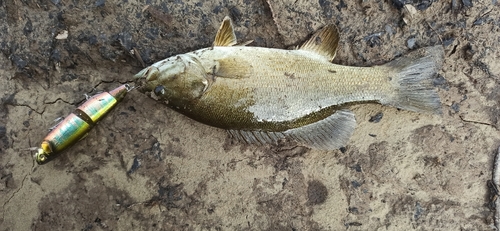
[
  {"x": 75, "y": 126},
  {"x": 262, "y": 95}
]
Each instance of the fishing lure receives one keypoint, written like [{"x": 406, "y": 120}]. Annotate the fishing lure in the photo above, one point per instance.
[{"x": 75, "y": 126}]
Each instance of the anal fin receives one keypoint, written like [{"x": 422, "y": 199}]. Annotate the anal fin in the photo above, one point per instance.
[
  {"x": 257, "y": 137},
  {"x": 330, "y": 133}
]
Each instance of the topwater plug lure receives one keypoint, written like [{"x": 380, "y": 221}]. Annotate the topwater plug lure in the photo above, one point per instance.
[{"x": 75, "y": 126}]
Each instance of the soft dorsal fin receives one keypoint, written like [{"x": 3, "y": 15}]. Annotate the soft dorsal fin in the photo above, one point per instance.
[
  {"x": 244, "y": 43},
  {"x": 225, "y": 35},
  {"x": 323, "y": 42}
]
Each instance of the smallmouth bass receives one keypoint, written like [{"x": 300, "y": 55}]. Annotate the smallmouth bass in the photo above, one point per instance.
[{"x": 262, "y": 95}]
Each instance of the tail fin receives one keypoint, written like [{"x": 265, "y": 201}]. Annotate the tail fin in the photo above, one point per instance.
[{"x": 413, "y": 80}]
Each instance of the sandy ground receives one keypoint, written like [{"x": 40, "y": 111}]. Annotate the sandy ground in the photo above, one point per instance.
[{"x": 146, "y": 167}]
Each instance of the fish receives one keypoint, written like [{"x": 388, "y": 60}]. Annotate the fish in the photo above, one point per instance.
[
  {"x": 265, "y": 95},
  {"x": 77, "y": 124}
]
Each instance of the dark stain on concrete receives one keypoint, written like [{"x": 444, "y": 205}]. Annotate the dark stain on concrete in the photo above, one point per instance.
[{"x": 317, "y": 193}]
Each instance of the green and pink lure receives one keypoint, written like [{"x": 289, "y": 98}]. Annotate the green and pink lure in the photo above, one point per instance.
[{"x": 75, "y": 126}]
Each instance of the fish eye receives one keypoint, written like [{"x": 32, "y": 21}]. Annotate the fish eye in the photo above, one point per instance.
[{"x": 159, "y": 90}]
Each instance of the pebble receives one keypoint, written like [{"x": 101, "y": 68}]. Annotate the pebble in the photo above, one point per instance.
[
  {"x": 410, "y": 43},
  {"x": 376, "y": 118}
]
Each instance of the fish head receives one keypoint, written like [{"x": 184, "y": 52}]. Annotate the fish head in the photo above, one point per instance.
[{"x": 175, "y": 80}]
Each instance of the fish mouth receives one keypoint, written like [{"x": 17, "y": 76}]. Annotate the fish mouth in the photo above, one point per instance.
[
  {"x": 144, "y": 80},
  {"x": 144, "y": 86},
  {"x": 141, "y": 85}
]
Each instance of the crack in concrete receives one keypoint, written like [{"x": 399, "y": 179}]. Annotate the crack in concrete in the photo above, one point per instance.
[
  {"x": 12, "y": 196},
  {"x": 28, "y": 106},
  {"x": 496, "y": 184},
  {"x": 57, "y": 100},
  {"x": 478, "y": 122}
]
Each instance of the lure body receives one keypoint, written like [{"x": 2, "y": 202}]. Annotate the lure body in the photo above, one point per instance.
[{"x": 75, "y": 126}]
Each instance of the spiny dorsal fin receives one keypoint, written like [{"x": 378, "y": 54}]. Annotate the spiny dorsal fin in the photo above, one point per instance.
[
  {"x": 225, "y": 36},
  {"x": 323, "y": 42}
]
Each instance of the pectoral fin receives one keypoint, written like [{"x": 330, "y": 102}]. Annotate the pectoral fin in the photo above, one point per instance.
[
  {"x": 330, "y": 133},
  {"x": 232, "y": 69},
  {"x": 323, "y": 42},
  {"x": 225, "y": 35}
]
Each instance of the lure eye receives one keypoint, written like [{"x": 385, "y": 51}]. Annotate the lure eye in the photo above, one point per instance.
[
  {"x": 41, "y": 158},
  {"x": 159, "y": 90}
]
